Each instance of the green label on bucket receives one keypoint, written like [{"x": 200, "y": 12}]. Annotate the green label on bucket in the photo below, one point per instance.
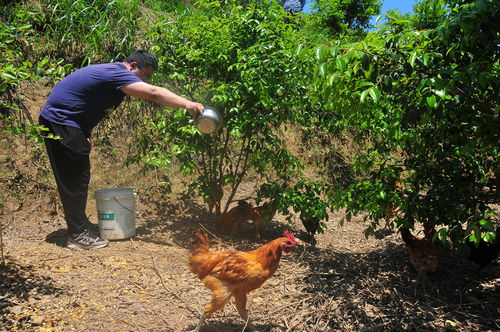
[{"x": 106, "y": 216}]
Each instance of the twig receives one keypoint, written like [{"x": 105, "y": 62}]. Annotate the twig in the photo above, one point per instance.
[
  {"x": 323, "y": 310},
  {"x": 54, "y": 258},
  {"x": 133, "y": 243},
  {"x": 206, "y": 230},
  {"x": 1, "y": 242},
  {"x": 246, "y": 324},
  {"x": 169, "y": 290}
]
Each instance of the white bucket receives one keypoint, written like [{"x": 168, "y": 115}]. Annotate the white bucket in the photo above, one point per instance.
[{"x": 116, "y": 213}]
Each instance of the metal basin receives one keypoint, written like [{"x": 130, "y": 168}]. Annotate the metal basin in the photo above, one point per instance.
[{"x": 209, "y": 122}]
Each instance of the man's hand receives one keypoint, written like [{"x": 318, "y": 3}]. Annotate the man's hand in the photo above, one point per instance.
[{"x": 194, "y": 108}]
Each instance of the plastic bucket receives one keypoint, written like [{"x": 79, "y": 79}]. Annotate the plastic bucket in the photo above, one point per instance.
[{"x": 116, "y": 213}]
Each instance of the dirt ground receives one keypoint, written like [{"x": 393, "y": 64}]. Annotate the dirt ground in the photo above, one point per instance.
[{"x": 343, "y": 283}]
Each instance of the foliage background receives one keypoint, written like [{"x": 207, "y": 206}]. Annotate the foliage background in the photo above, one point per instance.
[{"x": 417, "y": 99}]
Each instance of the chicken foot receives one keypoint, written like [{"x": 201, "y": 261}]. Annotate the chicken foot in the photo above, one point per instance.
[
  {"x": 240, "y": 298},
  {"x": 200, "y": 323},
  {"x": 248, "y": 323},
  {"x": 245, "y": 317}
]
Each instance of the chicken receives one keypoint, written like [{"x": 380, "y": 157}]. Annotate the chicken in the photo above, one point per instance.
[
  {"x": 214, "y": 194},
  {"x": 311, "y": 224},
  {"x": 261, "y": 215},
  {"x": 392, "y": 210},
  {"x": 232, "y": 219},
  {"x": 424, "y": 254},
  {"x": 235, "y": 273},
  {"x": 484, "y": 253}
]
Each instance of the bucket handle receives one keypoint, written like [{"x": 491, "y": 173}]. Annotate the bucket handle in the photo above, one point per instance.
[{"x": 126, "y": 208}]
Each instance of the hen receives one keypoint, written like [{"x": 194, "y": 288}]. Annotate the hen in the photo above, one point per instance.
[
  {"x": 235, "y": 273},
  {"x": 214, "y": 194},
  {"x": 392, "y": 209},
  {"x": 311, "y": 224},
  {"x": 232, "y": 219},
  {"x": 424, "y": 254}
]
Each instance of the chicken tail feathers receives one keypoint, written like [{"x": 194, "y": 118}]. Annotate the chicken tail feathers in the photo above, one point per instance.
[
  {"x": 200, "y": 261},
  {"x": 200, "y": 241}
]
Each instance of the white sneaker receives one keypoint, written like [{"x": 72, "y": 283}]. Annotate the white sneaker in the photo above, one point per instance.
[{"x": 86, "y": 240}]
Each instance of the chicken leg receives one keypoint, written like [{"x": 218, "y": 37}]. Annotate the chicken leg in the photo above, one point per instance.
[
  {"x": 240, "y": 297},
  {"x": 200, "y": 323},
  {"x": 220, "y": 295}
]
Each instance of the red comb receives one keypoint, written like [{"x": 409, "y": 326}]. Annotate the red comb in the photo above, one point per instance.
[{"x": 289, "y": 235}]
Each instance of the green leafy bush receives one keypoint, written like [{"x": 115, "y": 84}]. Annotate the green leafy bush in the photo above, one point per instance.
[
  {"x": 425, "y": 105},
  {"x": 238, "y": 60}
]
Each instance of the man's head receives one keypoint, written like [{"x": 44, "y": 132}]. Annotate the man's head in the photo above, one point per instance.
[{"x": 142, "y": 64}]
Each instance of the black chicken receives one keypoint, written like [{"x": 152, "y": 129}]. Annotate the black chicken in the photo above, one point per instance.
[{"x": 311, "y": 224}]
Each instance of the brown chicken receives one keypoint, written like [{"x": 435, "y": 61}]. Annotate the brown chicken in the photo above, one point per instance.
[
  {"x": 392, "y": 210},
  {"x": 424, "y": 254},
  {"x": 235, "y": 273},
  {"x": 232, "y": 219},
  {"x": 214, "y": 196}
]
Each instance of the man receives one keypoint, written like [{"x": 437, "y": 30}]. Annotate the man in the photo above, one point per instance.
[
  {"x": 75, "y": 106},
  {"x": 293, "y": 6}
]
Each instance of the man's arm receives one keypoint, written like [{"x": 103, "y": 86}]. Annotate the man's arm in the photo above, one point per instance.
[{"x": 162, "y": 96}]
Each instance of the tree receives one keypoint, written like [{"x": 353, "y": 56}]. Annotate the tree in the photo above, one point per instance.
[
  {"x": 238, "y": 60},
  {"x": 343, "y": 15},
  {"x": 425, "y": 105}
]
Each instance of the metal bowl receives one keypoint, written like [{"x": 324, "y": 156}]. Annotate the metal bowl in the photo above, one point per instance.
[{"x": 209, "y": 122}]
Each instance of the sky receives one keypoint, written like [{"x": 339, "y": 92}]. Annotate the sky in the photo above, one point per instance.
[{"x": 402, "y": 6}]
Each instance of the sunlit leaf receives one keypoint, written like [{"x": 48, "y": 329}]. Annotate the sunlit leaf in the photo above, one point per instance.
[
  {"x": 374, "y": 93},
  {"x": 431, "y": 101}
]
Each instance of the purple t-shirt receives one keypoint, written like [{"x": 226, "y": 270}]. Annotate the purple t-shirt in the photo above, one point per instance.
[{"x": 82, "y": 98}]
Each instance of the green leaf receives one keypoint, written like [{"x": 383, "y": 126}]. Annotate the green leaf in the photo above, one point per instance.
[
  {"x": 334, "y": 51},
  {"x": 487, "y": 237},
  {"x": 374, "y": 93},
  {"x": 323, "y": 69},
  {"x": 299, "y": 49},
  {"x": 413, "y": 58},
  {"x": 363, "y": 95},
  {"x": 442, "y": 234},
  {"x": 425, "y": 59},
  {"x": 340, "y": 62},
  {"x": 486, "y": 224},
  {"x": 477, "y": 234},
  {"x": 363, "y": 84},
  {"x": 431, "y": 101},
  {"x": 321, "y": 53}
]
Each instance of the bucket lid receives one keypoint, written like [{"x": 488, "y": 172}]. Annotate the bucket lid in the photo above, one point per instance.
[{"x": 114, "y": 193}]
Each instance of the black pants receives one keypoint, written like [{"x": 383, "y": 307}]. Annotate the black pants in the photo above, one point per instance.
[{"x": 69, "y": 158}]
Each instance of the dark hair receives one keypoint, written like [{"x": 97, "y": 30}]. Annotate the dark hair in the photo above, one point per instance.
[{"x": 143, "y": 59}]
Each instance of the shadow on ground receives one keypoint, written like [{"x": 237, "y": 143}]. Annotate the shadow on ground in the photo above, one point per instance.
[{"x": 18, "y": 285}]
